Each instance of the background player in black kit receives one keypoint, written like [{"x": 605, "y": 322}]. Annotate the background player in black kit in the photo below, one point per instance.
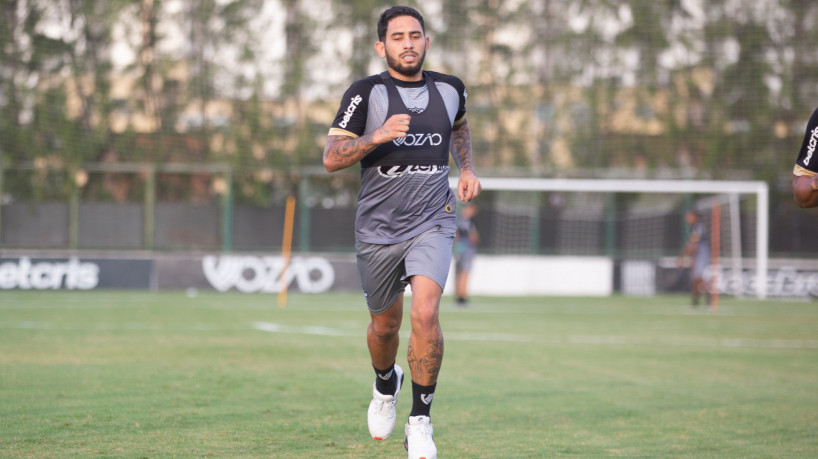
[
  {"x": 805, "y": 172},
  {"x": 400, "y": 125}
]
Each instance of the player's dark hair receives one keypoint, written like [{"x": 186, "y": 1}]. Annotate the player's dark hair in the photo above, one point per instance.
[{"x": 394, "y": 12}]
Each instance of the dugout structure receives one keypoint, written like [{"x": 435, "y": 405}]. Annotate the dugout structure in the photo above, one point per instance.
[{"x": 628, "y": 220}]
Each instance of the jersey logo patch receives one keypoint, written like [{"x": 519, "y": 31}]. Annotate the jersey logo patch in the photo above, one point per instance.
[
  {"x": 418, "y": 140},
  {"x": 391, "y": 172}
]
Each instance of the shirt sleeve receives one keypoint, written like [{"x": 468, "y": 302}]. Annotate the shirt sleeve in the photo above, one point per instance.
[
  {"x": 350, "y": 121},
  {"x": 807, "y": 162},
  {"x": 461, "y": 110}
]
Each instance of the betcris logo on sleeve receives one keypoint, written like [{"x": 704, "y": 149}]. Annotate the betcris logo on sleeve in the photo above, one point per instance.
[
  {"x": 813, "y": 140},
  {"x": 353, "y": 104}
]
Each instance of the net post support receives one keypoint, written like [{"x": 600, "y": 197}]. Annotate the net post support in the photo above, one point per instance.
[
  {"x": 715, "y": 252},
  {"x": 534, "y": 227},
  {"x": 148, "y": 228},
  {"x": 735, "y": 241},
  {"x": 286, "y": 250},
  {"x": 687, "y": 205},
  {"x": 762, "y": 239},
  {"x": 227, "y": 211},
  {"x": 610, "y": 226},
  {"x": 74, "y": 211},
  {"x": 304, "y": 218},
  {"x": 2, "y": 173}
]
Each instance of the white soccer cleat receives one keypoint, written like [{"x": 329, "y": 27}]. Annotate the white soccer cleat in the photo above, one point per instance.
[
  {"x": 419, "y": 440},
  {"x": 381, "y": 414}
]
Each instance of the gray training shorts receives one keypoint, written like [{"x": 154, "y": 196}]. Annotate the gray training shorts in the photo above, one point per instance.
[{"x": 385, "y": 269}]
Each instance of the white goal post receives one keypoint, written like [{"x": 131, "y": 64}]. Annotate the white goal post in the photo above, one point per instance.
[{"x": 728, "y": 188}]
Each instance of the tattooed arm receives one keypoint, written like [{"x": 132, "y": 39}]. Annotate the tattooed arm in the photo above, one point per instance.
[
  {"x": 468, "y": 187},
  {"x": 342, "y": 152}
]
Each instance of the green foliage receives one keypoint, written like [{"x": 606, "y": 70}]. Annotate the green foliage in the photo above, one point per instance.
[{"x": 728, "y": 83}]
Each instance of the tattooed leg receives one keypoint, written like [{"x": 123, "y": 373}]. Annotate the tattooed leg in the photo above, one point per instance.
[
  {"x": 425, "y": 353},
  {"x": 425, "y": 359}
]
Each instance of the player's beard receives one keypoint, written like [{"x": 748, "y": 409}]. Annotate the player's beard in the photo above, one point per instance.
[{"x": 412, "y": 70}]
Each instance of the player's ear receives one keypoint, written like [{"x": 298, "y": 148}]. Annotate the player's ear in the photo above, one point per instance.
[
  {"x": 380, "y": 48},
  {"x": 427, "y": 43}
]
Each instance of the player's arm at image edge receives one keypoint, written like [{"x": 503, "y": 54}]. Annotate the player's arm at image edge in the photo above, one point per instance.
[
  {"x": 804, "y": 183},
  {"x": 804, "y": 187}
]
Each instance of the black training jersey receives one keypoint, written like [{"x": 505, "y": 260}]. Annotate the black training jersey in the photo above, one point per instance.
[
  {"x": 807, "y": 162},
  {"x": 404, "y": 183},
  {"x": 363, "y": 108}
]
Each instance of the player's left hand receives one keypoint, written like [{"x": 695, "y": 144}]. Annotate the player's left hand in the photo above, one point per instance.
[{"x": 468, "y": 186}]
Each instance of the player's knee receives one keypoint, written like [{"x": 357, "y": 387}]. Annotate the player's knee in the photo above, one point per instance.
[
  {"x": 385, "y": 328},
  {"x": 424, "y": 318}
]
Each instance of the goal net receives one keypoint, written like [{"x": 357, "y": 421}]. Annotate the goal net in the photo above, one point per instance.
[{"x": 639, "y": 224}]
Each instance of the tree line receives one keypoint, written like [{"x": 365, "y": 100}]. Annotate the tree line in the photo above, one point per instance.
[{"x": 686, "y": 88}]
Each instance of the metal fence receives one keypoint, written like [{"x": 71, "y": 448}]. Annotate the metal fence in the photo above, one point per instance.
[{"x": 178, "y": 208}]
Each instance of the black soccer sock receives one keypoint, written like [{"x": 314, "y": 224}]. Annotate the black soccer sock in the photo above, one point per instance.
[
  {"x": 422, "y": 399},
  {"x": 386, "y": 381}
]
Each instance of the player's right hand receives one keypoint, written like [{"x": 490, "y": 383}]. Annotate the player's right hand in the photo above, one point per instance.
[{"x": 393, "y": 128}]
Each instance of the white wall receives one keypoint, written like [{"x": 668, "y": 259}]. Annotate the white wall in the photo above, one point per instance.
[{"x": 535, "y": 275}]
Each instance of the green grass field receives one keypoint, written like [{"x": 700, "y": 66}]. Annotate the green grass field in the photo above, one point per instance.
[{"x": 130, "y": 374}]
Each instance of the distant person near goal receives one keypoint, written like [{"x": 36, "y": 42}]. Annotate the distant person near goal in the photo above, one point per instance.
[
  {"x": 697, "y": 250},
  {"x": 465, "y": 249},
  {"x": 400, "y": 125},
  {"x": 805, "y": 172}
]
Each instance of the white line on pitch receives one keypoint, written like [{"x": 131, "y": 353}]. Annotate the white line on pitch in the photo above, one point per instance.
[
  {"x": 306, "y": 330},
  {"x": 571, "y": 339},
  {"x": 598, "y": 340},
  {"x": 124, "y": 326}
]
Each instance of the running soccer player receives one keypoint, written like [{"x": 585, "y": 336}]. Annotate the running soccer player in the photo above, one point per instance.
[
  {"x": 805, "y": 172},
  {"x": 400, "y": 126}
]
